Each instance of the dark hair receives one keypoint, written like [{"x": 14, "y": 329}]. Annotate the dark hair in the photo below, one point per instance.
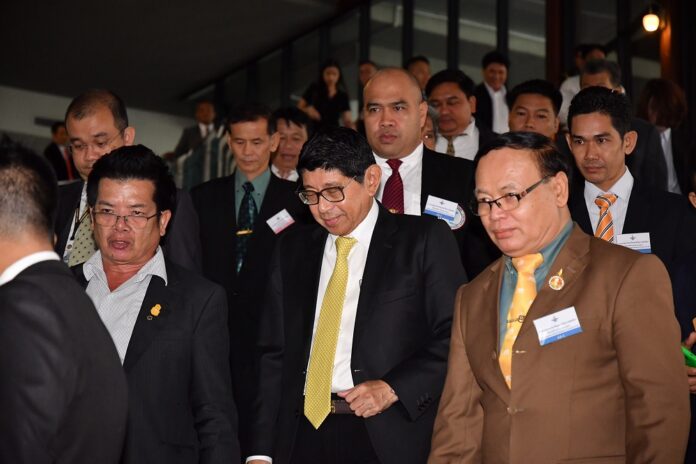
[
  {"x": 586, "y": 49},
  {"x": 134, "y": 162},
  {"x": 330, "y": 63},
  {"x": 599, "y": 66},
  {"x": 294, "y": 115},
  {"x": 56, "y": 125},
  {"x": 547, "y": 156},
  {"x": 251, "y": 112},
  {"x": 537, "y": 87},
  {"x": 85, "y": 104},
  {"x": 451, "y": 75},
  {"x": 28, "y": 192},
  {"x": 666, "y": 100},
  {"x": 337, "y": 148},
  {"x": 604, "y": 101},
  {"x": 362, "y": 62},
  {"x": 416, "y": 59},
  {"x": 495, "y": 57}
]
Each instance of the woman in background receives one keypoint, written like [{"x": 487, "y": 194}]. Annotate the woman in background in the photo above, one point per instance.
[{"x": 326, "y": 101}]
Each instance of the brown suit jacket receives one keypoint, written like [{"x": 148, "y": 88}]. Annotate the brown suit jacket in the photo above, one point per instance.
[{"x": 614, "y": 393}]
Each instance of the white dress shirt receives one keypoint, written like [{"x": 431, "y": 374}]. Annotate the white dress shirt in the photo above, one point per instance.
[
  {"x": 74, "y": 224},
  {"x": 569, "y": 89},
  {"x": 666, "y": 141},
  {"x": 205, "y": 130},
  {"x": 466, "y": 144},
  {"x": 622, "y": 189},
  {"x": 500, "y": 109},
  {"x": 411, "y": 172},
  {"x": 119, "y": 309},
  {"x": 292, "y": 176},
  {"x": 21, "y": 264}
]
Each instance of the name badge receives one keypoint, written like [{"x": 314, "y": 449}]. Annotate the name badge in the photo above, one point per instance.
[
  {"x": 638, "y": 242},
  {"x": 280, "y": 221},
  {"x": 557, "y": 326},
  {"x": 448, "y": 211}
]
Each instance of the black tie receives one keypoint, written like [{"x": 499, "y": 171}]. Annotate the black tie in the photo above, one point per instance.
[{"x": 247, "y": 217}]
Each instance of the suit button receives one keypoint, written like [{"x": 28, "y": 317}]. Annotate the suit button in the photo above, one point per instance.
[
  {"x": 512, "y": 410},
  {"x": 494, "y": 355},
  {"x": 520, "y": 352}
]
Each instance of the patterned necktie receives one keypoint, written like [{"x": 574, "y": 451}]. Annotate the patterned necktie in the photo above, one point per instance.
[
  {"x": 321, "y": 360},
  {"x": 245, "y": 222},
  {"x": 450, "y": 145},
  {"x": 605, "y": 226},
  {"x": 393, "y": 196},
  {"x": 525, "y": 292},
  {"x": 83, "y": 247}
]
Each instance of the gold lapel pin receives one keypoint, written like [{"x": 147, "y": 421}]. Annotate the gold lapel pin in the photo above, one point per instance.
[
  {"x": 154, "y": 311},
  {"x": 556, "y": 282}
]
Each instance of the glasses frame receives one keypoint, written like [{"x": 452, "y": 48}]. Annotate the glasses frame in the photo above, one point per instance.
[
  {"x": 320, "y": 193},
  {"x": 125, "y": 217},
  {"x": 85, "y": 146},
  {"x": 475, "y": 204}
]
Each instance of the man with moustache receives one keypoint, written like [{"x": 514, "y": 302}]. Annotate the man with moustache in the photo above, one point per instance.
[
  {"x": 292, "y": 125},
  {"x": 491, "y": 106}
]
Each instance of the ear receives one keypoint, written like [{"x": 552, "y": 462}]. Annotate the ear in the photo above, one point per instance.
[
  {"x": 129, "y": 136},
  {"x": 373, "y": 174},
  {"x": 560, "y": 188},
  {"x": 164, "y": 219},
  {"x": 556, "y": 124},
  {"x": 629, "y": 142},
  {"x": 692, "y": 199},
  {"x": 275, "y": 141},
  {"x": 472, "y": 103},
  {"x": 422, "y": 112}
]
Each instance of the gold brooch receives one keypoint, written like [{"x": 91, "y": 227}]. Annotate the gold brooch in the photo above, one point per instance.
[
  {"x": 556, "y": 282},
  {"x": 154, "y": 311}
]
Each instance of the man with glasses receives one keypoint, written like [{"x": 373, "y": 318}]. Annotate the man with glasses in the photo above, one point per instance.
[
  {"x": 168, "y": 324},
  {"x": 97, "y": 123},
  {"x": 355, "y": 329},
  {"x": 566, "y": 349}
]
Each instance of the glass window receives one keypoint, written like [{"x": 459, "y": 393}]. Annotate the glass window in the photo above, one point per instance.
[
  {"x": 477, "y": 34},
  {"x": 527, "y": 41},
  {"x": 430, "y": 32},
  {"x": 386, "y": 17},
  {"x": 344, "y": 49},
  {"x": 305, "y": 64},
  {"x": 645, "y": 51},
  {"x": 596, "y": 21}
]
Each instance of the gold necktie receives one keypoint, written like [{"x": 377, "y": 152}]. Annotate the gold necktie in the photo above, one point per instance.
[
  {"x": 321, "y": 360},
  {"x": 525, "y": 292},
  {"x": 605, "y": 226},
  {"x": 83, "y": 245},
  {"x": 450, "y": 145}
]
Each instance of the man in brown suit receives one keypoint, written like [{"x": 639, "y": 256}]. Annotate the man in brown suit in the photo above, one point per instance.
[{"x": 576, "y": 360}]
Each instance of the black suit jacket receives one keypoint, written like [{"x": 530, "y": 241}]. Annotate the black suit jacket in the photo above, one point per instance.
[
  {"x": 181, "y": 244},
  {"x": 668, "y": 218},
  {"x": 682, "y": 147},
  {"x": 648, "y": 159},
  {"x": 62, "y": 391},
  {"x": 401, "y": 334},
  {"x": 180, "y": 407},
  {"x": 484, "y": 106},
  {"x": 215, "y": 203},
  {"x": 55, "y": 158},
  {"x": 189, "y": 140},
  {"x": 452, "y": 179}
]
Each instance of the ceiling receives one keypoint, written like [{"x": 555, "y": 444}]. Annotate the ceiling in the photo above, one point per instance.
[{"x": 154, "y": 53}]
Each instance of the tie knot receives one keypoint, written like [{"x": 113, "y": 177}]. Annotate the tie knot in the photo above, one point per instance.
[
  {"x": 605, "y": 200},
  {"x": 394, "y": 164},
  {"x": 248, "y": 187},
  {"x": 527, "y": 264},
  {"x": 344, "y": 245}
]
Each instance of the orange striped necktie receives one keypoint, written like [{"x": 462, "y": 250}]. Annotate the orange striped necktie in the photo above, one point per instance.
[{"x": 605, "y": 226}]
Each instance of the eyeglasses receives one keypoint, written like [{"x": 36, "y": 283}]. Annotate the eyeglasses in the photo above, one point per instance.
[
  {"x": 507, "y": 202},
  {"x": 332, "y": 194},
  {"x": 110, "y": 219},
  {"x": 100, "y": 145}
]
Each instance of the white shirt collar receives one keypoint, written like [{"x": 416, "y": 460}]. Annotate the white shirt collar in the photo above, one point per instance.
[
  {"x": 412, "y": 159},
  {"x": 622, "y": 188},
  {"x": 293, "y": 176},
  {"x": 492, "y": 93},
  {"x": 363, "y": 232},
  {"x": 94, "y": 267},
  {"x": 29, "y": 260}
]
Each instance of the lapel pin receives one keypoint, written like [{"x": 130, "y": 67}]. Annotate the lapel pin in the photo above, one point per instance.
[
  {"x": 154, "y": 311},
  {"x": 556, "y": 282}
]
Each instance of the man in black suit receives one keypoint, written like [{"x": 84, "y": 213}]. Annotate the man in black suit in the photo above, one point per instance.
[
  {"x": 491, "y": 105},
  {"x": 647, "y": 161},
  {"x": 451, "y": 93},
  {"x": 97, "y": 123},
  {"x": 611, "y": 203},
  {"x": 193, "y": 136},
  {"x": 356, "y": 326},
  {"x": 413, "y": 176},
  {"x": 168, "y": 324},
  {"x": 241, "y": 217},
  {"x": 58, "y": 153},
  {"x": 62, "y": 391}
]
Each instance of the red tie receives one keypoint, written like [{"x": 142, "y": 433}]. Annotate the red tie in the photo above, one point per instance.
[{"x": 393, "y": 196}]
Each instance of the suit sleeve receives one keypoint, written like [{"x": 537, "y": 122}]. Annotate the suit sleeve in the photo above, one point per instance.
[
  {"x": 646, "y": 337},
  {"x": 182, "y": 244},
  {"x": 215, "y": 414},
  {"x": 38, "y": 374},
  {"x": 182, "y": 146},
  {"x": 459, "y": 422},
  {"x": 418, "y": 380}
]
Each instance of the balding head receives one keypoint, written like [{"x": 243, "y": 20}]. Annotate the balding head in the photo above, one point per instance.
[{"x": 394, "y": 113}]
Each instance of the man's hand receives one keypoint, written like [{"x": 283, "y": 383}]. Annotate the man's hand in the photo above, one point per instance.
[
  {"x": 691, "y": 371},
  {"x": 371, "y": 398}
]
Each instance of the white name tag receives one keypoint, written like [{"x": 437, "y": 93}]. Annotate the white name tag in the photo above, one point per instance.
[
  {"x": 280, "y": 221},
  {"x": 638, "y": 242},
  {"x": 557, "y": 326},
  {"x": 440, "y": 208}
]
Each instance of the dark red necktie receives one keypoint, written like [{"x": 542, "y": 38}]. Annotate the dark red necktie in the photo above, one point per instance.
[{"x": 393, "y": 196}]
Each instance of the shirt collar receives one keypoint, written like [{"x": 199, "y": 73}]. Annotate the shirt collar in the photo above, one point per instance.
[
  {"x": 94, "y": 267},
  {"x": 549, "y": 252},
  {"x": 412, "y": 159},
  {"x": 622, "y": 188},
  {"x": 260, "y": 182},
  {"x": 363, "y": 232},
  {"x": 21, "y": 264},
  {"x": 491, "y": 92}
]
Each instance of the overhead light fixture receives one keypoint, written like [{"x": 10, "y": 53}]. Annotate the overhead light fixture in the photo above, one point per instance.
[{"x": 651, "y": 20}]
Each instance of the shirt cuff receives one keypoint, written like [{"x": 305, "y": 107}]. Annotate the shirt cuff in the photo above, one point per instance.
[{"x": 260, "y": 458}]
